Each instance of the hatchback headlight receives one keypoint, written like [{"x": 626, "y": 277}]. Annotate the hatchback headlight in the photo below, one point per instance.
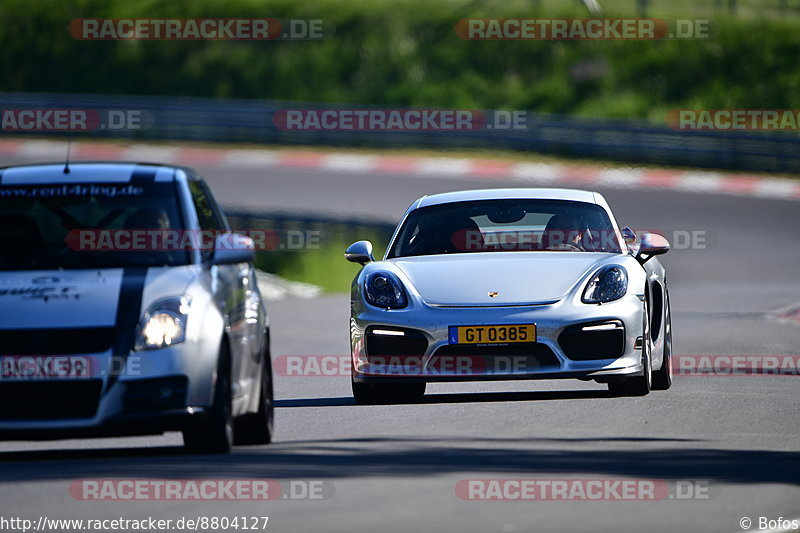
[
  {"x": 607, "y": 284},
  {"x": 163, "y": 324},
  {"x": 383, "y": 289}
]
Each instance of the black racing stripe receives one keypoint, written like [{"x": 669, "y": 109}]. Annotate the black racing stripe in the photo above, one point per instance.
[
  {"x": 143, "y": 176},
  {"x": 128, "y": 308},
  {"x": 1, "y": 177},
  {"x": 127, "y": 317}
]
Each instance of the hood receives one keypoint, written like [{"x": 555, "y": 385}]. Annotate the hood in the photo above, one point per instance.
[
  {"x": 518, "y": 278},
  {"x": 80, "y": 298}
]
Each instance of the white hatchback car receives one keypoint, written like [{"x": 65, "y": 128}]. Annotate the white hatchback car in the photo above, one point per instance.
[{"x": 123, "y": 341}]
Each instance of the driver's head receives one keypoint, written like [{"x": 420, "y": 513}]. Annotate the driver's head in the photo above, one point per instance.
[
  {"x": 459, "y": 234},
  {"x": 148, "y": 218},
  {"x": 562, "y": 229}
]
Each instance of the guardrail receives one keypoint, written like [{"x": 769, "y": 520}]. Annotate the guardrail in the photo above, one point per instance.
[
  {"x": 298, "y": 234},
  {"x": 329, "y": 228},
  {"x": 201, "y": 119}
]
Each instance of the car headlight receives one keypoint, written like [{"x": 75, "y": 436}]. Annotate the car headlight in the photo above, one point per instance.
[
  {"x": 607, "y": 284},
  {"x": 163, "y": 324},
  {"x": 383, "y": 289}
]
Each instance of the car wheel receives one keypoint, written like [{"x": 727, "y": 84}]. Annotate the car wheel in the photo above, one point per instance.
[
  {"x": 388, "y": 393},
  {"x": 215, "y": 435},
  {"x": 256, "y": 428},
  {"x": 638, "y": 385},
  {"x": 662, "y": 378}
]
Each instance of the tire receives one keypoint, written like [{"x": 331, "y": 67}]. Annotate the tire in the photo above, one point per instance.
[
  {"x": 662, "y": 378},
  {"x": 215, "y": 434},
  {"x": 256, "y": 428},
  {"x": 388, "y": 393},
  {"x": 639, "y": 385}
]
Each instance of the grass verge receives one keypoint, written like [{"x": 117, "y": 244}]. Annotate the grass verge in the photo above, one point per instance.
[{"x": 325, "y": 266}]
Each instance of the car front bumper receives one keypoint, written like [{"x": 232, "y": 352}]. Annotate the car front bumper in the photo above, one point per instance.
[
  {"x": 143, "y": 393},
  {"x": 554, "y": 355}
]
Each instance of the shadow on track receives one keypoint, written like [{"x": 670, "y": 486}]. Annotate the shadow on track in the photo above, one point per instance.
[
  {"x": 477, "y": 397},
  {"x": 401, "y": 458}
]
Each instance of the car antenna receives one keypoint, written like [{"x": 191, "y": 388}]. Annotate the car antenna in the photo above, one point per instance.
[{"x": 69, "y": 146}]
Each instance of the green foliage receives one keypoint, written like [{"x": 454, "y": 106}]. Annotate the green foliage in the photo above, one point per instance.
[{"x": 406, "y": 53}]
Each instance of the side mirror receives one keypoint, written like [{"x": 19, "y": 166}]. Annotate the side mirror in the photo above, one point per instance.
[
  {"x": 651, "y": 244},
  {"x": 359, "y": 252},
  {"x": 231, "y": 248},
  {"x": 628, "y": 235}
]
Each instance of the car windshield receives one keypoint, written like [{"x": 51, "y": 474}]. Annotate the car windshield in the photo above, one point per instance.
[
  {"x": 505, "y": 226},
  {"x": 85, "y": 225}
]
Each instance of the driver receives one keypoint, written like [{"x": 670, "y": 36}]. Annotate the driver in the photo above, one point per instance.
[
  {"x": 147, "y": 219},
  {"x": 154, "y": 219},
  {"x": 446, "y": 235},
  {"x": 563, "y": 232}
]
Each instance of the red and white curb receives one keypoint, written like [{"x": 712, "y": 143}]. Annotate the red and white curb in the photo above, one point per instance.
[
  {"x": 275, "y": 288},
  {"x": 550, "y": 174},
  {"x": 788, "y": 315}
]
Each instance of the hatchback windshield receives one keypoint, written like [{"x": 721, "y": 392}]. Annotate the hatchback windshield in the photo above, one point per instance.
[
  {"x": 59, "y": 225},
  {"x": 506, "y": 225}
]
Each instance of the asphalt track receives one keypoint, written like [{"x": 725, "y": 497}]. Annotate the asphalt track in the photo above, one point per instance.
[{"x": 395, "y": 468}]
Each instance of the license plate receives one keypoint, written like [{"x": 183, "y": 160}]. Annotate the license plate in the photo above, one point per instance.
[
  {"x": 498, "y": 334},
  {"x": 44, "y": 367}
]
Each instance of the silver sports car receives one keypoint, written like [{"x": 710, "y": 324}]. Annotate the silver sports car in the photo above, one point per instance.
[
  {"x": 115, "y": 319},
  {"x": 509, "y": 284}
]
